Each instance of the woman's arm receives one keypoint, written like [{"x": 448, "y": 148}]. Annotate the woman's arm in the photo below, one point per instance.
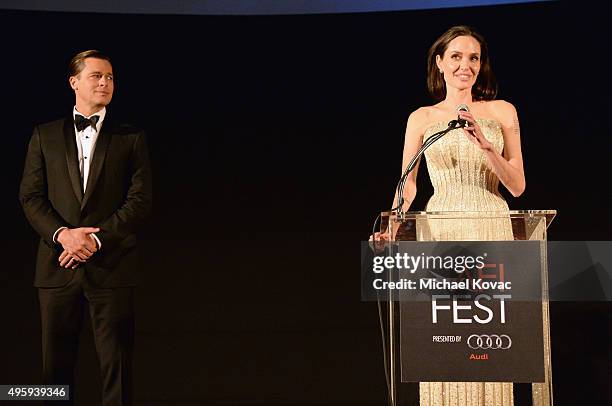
[{"x": 413, "y": 140}]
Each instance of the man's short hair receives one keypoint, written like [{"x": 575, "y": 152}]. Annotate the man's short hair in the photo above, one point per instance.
[{"x": 77, "y": 63}]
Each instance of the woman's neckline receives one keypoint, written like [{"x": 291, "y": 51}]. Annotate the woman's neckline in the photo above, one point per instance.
[{"x": 435, "y": 123}]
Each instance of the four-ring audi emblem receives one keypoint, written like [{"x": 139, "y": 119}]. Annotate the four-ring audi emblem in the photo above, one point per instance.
[{"x": 489, "y": 342}]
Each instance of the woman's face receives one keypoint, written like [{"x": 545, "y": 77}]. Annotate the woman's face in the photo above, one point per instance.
[{"x": 460, "y": 63}]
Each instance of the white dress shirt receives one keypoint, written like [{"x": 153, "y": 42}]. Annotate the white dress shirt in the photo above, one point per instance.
[{"x": 86, "y": 145}]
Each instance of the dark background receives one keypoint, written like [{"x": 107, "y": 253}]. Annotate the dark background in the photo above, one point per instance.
[{"x": 275, "y": 140}]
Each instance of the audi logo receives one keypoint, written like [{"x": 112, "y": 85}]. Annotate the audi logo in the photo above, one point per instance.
[{"x": 489, "y": 342}]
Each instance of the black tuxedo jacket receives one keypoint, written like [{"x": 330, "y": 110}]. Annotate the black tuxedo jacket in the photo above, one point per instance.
[{"x": 117, "y": 199}]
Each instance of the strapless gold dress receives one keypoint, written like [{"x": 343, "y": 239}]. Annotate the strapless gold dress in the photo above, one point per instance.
[{"x": 464, "y": 181}]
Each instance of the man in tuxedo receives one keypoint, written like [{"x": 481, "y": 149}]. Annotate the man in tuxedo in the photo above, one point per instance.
[{"x": 86, "y": 190}]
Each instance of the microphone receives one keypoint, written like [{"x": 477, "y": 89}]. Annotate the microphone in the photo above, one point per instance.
[{"x": 461, "y": 122}]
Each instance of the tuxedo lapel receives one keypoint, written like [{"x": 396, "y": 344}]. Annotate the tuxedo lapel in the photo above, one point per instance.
[
  {"x": 97, "y": 161},
  {"x": 72, "y": 159}
]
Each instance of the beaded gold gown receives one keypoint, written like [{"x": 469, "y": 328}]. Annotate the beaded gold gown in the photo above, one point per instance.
[{"x": 463, "y": 180}]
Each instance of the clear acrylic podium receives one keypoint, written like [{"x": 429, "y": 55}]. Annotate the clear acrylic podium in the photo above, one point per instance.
[{"x": 418, "y": 226}]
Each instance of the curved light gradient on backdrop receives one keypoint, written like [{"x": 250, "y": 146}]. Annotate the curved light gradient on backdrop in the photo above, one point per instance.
[{"x": 244, "y": 7}]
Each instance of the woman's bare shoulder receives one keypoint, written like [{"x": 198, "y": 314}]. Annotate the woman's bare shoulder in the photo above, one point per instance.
[
  {"x": 423, "y": 117},
  {"x": 503, "y": 111}
]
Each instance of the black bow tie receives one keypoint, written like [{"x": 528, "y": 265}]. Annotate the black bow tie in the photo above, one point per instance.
[{"x": 82, "y": 123}]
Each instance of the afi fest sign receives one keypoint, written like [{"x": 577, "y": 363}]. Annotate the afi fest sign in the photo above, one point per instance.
[{"x": 469, "y": 311}]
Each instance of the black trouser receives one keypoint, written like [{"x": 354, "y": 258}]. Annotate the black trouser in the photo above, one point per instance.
[{"x": 112, "y": 317}]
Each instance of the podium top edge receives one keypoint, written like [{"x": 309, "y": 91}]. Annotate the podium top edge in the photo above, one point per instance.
[{"x": 550, "y": 214}]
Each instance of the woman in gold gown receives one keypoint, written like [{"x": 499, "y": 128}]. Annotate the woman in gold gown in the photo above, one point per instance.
[{"x": 465, "y": 168}]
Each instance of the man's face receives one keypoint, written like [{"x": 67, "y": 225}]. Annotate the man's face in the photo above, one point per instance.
[{"x": 93, "y": 86}]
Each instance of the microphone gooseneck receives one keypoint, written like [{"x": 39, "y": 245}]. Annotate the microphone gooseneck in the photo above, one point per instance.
[{"x": 459, "y": 123}]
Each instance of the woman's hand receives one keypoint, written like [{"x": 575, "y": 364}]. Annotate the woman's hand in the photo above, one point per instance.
[
  {"x": 474, "y": 133},
  {"x": 378, "y": 241}
]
